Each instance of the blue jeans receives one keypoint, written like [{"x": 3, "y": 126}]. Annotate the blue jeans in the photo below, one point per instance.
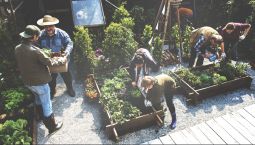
[{"x": 42, "y": 97}]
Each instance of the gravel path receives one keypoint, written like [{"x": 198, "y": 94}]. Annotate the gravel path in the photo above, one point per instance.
[{"x": 83, "y": 122}]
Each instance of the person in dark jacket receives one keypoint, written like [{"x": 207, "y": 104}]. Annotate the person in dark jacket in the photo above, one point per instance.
[
  {"x": 33, "y": 66},
  {"x": 142, "y": 60},
  {"x": 233, "y": 34},
  {"x": 157, "y": 87}
]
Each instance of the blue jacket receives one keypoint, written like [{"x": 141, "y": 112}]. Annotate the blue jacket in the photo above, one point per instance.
[{"x": 59, "y": 41}]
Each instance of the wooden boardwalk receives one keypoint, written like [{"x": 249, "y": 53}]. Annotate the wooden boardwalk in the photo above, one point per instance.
[{"x": 235, "y": 128}]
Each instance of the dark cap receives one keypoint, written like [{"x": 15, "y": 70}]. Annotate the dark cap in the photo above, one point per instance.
[{"x": 30, "y": 31}]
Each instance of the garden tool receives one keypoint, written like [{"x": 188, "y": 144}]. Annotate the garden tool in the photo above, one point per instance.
[{"x": 195, "y": 62}]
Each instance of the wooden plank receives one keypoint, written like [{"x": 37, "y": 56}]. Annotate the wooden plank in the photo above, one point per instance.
[
  {"x": 166, "y": 139},
  {"x": 221, "y": 132},
  {"x": 178, "y": 138},
  {"x": 247, "y": 116},
  {"x": 251, "y": 110},
  {"x": 244, "y": 122},
  {"x": 213, "y": 137},
  {"x": 199, "y": 135},
  {"x": 240, "y": 128},
  {"x": 191, "y": 139},
  {"x": 234, "y": 133},
  {"x": 155, "y": 141}
]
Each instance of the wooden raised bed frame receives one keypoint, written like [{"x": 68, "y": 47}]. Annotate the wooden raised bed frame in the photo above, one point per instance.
[
  {"x": 114, "y": 130},
  {"x": 91, "y": 76},
  {"x": 195, "y": 95}
]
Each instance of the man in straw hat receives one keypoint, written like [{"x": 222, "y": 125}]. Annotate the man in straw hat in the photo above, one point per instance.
[
  {"x": 200, "y": 39},
  {"x": 32, "y": 64},
  {"x": 57, "y": 40},
  {"x": 157, "y": 87}
]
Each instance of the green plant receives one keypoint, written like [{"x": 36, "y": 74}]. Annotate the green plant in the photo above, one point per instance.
[
  {"x": 8, "y": 65},
  {"x": 83, "y": 52},
  {"x": 147, "y": 35},
  {"x": 118, "y": 45},
  {"x": 47, "y": 52},
  {"x": 157, "y": 49},
  {"x": 185, "y": 38},
  {"x": 128, "y": 22},
  {"x": 113, "y": 91},
  {"x": 138, "y": 14},
  {"x": 13, "y": 132},
  {"x": 14, "y": 97},
  {"x": 120, "y": 13}
]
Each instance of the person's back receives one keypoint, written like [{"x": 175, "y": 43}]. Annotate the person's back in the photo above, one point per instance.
[
  {"x": 206, "y": 31},
  {"x": 33, "y": 72}
]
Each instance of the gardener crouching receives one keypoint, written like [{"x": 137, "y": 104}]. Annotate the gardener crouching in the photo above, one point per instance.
[
  {"x": 201, "y": 39},
  {"x": 157, "y": 87},
  {"x": 142, "y": 59},
  {"x": 32, "y": 64}
]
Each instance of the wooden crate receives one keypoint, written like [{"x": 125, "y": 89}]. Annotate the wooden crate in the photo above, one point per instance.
[
  {"x": 59, "y": 68},
  {"x": 195, "y": 95}
]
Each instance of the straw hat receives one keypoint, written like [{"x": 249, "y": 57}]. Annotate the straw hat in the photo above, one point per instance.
[
  {"x": 47, "y": 20},
  {"x": 30, "y": 31}
]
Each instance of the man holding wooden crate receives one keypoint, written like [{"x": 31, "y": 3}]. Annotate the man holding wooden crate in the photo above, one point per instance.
[{"x": 57, "y": 40}]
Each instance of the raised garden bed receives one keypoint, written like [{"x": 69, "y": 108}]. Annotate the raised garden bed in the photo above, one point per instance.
[
  {"x": 135, "y": 115},
  {"x": 195, "y": 93},
  {"x": 27, "y": 113},
  {"x": 91, "y": 88}
]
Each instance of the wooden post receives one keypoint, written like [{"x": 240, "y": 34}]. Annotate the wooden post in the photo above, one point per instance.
[
  {"x": 176, "y": 5},
  {"x": 166, "y": 20}
]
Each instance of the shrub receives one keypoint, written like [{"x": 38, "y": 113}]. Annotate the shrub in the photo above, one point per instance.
[
  {"x": 147, "y": 35},
  {"x": 83, "y": 52},
  {"x": 157, "y": 49},
  {"x": 185, "y": 39},
  {"x": 120, "y": 13},
  {"x": 119, "y": 44}
]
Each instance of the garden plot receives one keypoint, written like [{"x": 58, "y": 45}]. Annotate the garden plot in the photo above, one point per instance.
[
  {"x": 124, "y": 106},
  {"x": 205, "y": 81}
]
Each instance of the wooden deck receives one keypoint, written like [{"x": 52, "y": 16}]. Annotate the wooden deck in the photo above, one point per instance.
[{"x": 235, "y": 128}]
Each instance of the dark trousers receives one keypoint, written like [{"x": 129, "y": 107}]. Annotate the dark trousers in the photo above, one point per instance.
[
  {"x": 192, "y": 58},
  {"x": 67, "y": 77},
  {"x": 231, "y": 49},
  {"x": 169, "y": 100}
]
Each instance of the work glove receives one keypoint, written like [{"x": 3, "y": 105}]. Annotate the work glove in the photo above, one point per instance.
[
  {"x": 223, "y": 55},
  {"x": 147, "y": 103},
  {"x": 242, "y": 37}
]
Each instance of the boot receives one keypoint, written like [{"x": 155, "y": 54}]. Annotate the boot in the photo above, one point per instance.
[
  {"x": 52, "y": 93},
  {"x": 39, "y": 112},
  {"x": 51, "y": 124},
  {"x": 173, "y": 123},
  {"x": 70, "y": 91}
]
